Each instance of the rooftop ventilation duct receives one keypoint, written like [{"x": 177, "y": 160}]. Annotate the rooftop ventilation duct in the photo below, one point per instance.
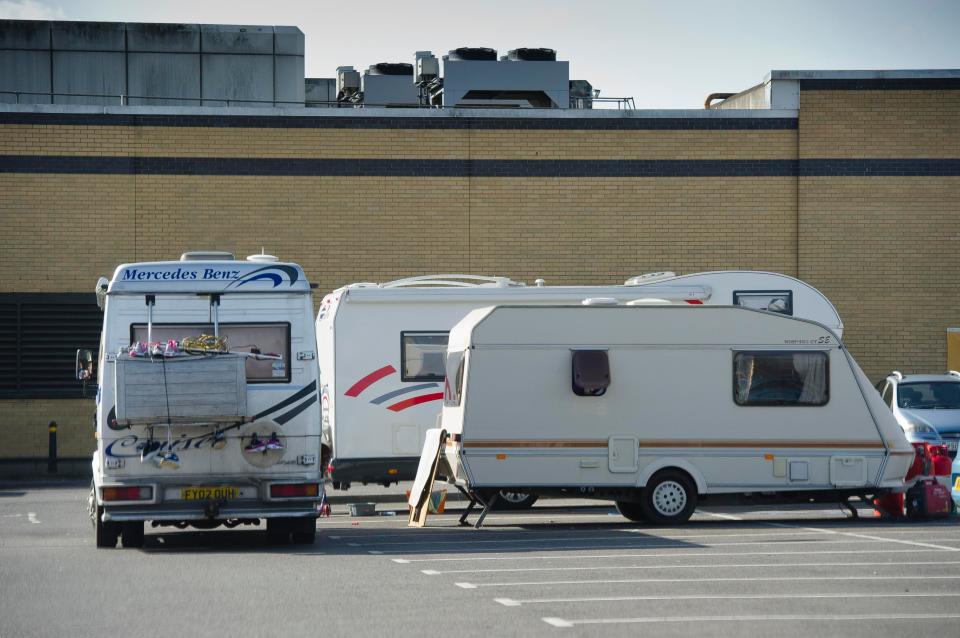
[
  {"x": 348, "y": 83},
  {"x": 390, "y": 68},
  {"x": 389, "y": 84},
  {"x": 476, "y": 54},
  {"x": 533, "y": 55}
]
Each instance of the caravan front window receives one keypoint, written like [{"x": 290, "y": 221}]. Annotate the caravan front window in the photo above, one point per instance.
[
  {"x": 271, "y": 339},
  {"x": 422, "y": 355},
  {"x": 453, "y": 384},
  {"x": 781, "y": 378}
]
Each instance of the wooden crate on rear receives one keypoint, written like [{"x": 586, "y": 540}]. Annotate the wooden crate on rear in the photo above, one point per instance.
[{"x": 181, "y": 390}]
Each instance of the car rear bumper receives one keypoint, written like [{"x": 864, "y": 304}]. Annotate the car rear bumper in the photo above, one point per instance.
[{"x": 209, "y": 511}]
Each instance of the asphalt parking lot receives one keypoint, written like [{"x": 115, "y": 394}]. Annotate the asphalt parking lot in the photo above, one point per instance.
[{"x": 562, "y": 568}]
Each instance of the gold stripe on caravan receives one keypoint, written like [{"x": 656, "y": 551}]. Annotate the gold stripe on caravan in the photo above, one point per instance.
[{"x": 593, "y": 443}]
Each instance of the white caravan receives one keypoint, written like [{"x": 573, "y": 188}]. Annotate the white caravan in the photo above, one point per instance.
[
  {"x": 382, "y": 348},
  {"x": 214, "y": 419},
  {"x": 658, "y": 407}
]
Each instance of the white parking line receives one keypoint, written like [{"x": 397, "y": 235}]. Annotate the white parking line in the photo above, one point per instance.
[
  {"x": 512, "y": 602},
  {"x": 567, "y": 557},
  {"x": 869, "y": 537},
  {"x": 434, "y": 572},
  {"x": 564, "y": 623},
  {"x": 627, "y": 546},
  {"x": 32, "y": 517},
  {"x": 648, "y": 536},
  {"x": 728, "y": 517},
  {"x": 550, "y": 583}
]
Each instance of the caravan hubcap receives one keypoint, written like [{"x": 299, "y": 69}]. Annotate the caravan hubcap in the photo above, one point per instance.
[{"x": 669, "y": 498}]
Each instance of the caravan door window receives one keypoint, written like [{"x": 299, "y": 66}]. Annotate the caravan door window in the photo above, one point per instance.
[
  {"x": 453, "y": 385},
  {"x": 781, "y": 378},
  {"x": 271, "y": 339},
  {"x": 422, "y": 355}
]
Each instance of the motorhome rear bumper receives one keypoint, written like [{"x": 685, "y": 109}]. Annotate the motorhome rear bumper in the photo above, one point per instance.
[
  {"x": 375, "y": 470},
  {"x": 198, "y": 513}
]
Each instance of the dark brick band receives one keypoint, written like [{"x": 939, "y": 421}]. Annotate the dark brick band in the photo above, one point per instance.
[
  {"x": 883, "y": 84},
  {"x": 473, "y": 168},
  {"x": 434, "y": 123}
]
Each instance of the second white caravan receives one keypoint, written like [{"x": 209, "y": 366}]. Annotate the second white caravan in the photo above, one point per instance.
[
  {"x": 657, "y": 407},
  {"x": 382, "y": 347}
]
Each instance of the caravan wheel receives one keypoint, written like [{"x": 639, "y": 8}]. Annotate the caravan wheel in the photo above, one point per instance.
[
  {"x": 669, "y": 498},
  {"x": 631, "y": 510},
  {"x": 508, "y": 500}
]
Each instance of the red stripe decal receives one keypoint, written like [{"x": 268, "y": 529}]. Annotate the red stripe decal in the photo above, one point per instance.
[
  {"x": 423, "y": 398},
  {"x": 369, "y": 380},
  {"x": 695, "y": 302}
]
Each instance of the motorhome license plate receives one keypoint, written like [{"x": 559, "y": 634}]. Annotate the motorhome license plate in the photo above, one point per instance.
[{"x": 217, "y": 493}]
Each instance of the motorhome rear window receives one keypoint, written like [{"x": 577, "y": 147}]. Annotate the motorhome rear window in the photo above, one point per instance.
[
  {"x": 780, "y": 301},
  {"x": 453, "y": 384},
  {"x": 781, "y": 378},
  {"x": 272, "y": 339},
  {"x": 422, "y": 355}
]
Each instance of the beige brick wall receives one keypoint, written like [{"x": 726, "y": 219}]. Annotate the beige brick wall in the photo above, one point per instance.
[{"x": 883, "y": 249}]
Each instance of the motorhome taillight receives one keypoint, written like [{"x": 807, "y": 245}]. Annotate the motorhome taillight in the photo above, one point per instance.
[
  {"x": 294, "y": 490},
  {"x": 329, "y": 469},
  {"x": 127, "y": 493}
]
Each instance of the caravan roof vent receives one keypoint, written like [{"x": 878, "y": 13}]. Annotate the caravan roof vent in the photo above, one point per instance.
[
  {"x": 649, "y": 301},
  {"x": 599, "y": 301},
  {"x": 207, "y": 255},
  {"x": 533, "y": 55},
  {"x": 262, "y": 258},
  {"x": 473, "y": 53},
  {"x": 390, "y": 68},
  {"x": 649, "y": 278}
]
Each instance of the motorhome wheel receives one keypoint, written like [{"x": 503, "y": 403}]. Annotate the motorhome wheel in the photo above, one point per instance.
[
  {"x": 669, "y": 498},
  {"x": 278, "y": 530},
  {"x": 304, "y": 531},
  {"x": 131, "y": 534},
  {"x": 631, "y": 510},
  {"x": 106, "y": 533}
]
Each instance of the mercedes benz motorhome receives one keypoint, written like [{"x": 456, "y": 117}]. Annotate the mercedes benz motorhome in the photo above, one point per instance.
[{"x": 207, "y": 405}]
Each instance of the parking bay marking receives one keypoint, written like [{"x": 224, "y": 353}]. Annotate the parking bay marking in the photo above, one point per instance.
[
  {"x": 565, "y": 623},
  {"x": 512, "y": 602},
  {"x": 435, "y": 572},
  {"x": 463, "y": 537},
  {"x": 869, "y": 537},
  {"x": 624, "y": 581},
  {"x": 661, "y": 544},
  {"x": 567, "y": 557}
]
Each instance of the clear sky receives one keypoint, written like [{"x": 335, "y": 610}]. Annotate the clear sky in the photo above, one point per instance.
[{"x": 667, "y": 54}]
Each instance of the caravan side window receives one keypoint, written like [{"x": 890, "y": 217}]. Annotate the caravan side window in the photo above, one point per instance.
[
  {"x": 422, "y": 355},
  {"x": 781, "y": 378},
  {"x": 272, "y": 339}
]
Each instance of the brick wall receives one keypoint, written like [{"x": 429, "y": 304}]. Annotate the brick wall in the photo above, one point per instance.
[
  {"x": 884, "y": 248},
  {"x": 486, "y": 199}
]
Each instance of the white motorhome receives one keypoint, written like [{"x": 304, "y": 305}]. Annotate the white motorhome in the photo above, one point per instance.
[
  {"x": 657, "y": 407},
  {"x": 207, "y": 405},
  {"x": 382, "y": 349}
]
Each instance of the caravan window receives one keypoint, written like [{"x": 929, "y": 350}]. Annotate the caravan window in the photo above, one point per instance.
[
  {"x": 453, "y": 384},
  {"x": 422, "y": 355},
  {"x": 257, "y": 338},
  {"x": 780, "y": 301},
  {"x": 781, "y": 378}
]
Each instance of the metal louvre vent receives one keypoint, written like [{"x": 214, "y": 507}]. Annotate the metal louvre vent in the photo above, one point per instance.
[{"x": 39, "y": 337}]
